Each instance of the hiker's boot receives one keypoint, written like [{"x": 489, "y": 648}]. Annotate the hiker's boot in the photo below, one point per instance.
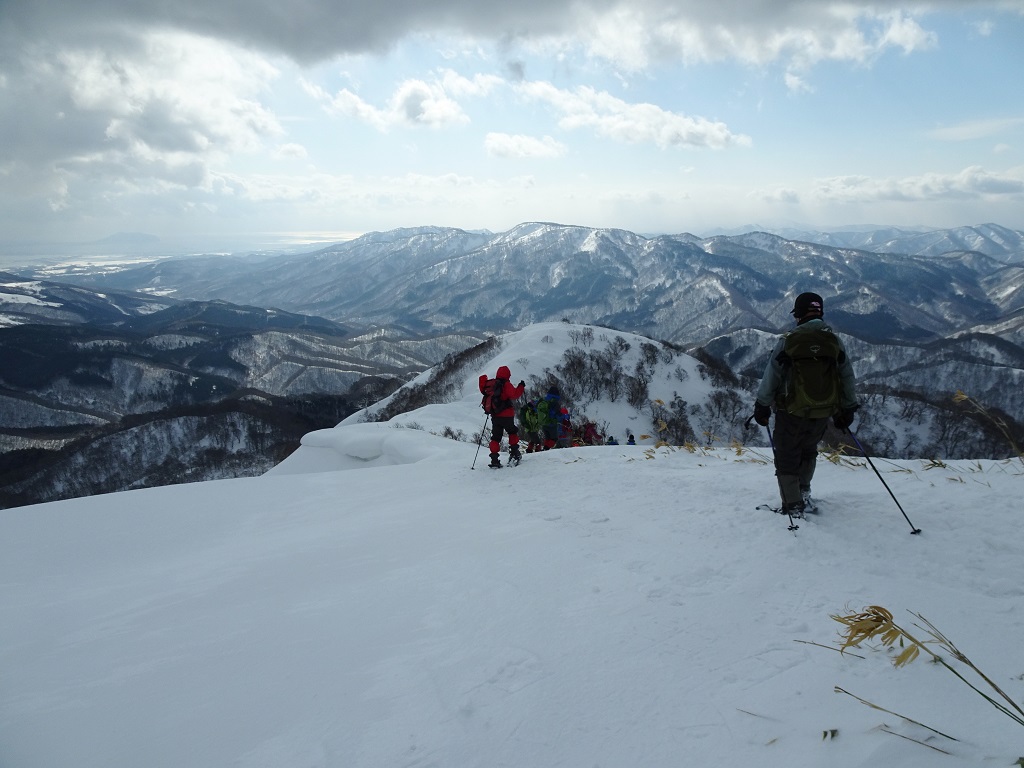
[
  {"x": 794, "y": 509},
  {"x": 495, "y": 463}
]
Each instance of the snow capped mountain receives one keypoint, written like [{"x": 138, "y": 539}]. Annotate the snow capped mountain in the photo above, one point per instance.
[
  {"x": 107, "y": 391},
  {"x": 373, "y": 601},
  {"x": 679, "y": 287},
  {"x": 42, "y": 301},
  {"x": 1006, "y": 245}
]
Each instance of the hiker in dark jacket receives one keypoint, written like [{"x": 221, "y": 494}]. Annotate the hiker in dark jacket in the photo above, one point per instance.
[
  {"x": 797, "y": 435},
  {"x": 550, "y": 411},
  {"x": 504, "y": 420}
]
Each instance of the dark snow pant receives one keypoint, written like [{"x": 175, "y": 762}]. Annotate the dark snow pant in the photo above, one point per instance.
[
  {"x": 796, "y": 450},
  {"x": 500, "y": 425},
  {"x": 550, "y": 436},
  {"x": 534, "y": 442}
]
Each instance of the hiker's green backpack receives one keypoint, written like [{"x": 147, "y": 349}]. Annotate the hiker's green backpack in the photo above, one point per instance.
[
  {"x": 528, "y": 417},
  {"x": 810, "y": 360}
]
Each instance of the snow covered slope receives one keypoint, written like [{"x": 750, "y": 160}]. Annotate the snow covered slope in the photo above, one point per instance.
[{"x": 539, "y": 351}]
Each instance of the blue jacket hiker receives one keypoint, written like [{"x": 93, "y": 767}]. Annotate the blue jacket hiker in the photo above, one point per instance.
[{"x": 555, "y": 419}]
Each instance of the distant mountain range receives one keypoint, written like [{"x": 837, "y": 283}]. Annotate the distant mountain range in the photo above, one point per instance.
[
  {"x": 680, "y": 288},
  {"x": 107, "y": 391}
]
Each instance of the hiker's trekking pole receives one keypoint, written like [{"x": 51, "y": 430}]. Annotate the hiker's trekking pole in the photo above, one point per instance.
[
  {"x": 480, "y": 442},
  {"x": 872, "y": 464},
  {"x": 792, "y": 526}
]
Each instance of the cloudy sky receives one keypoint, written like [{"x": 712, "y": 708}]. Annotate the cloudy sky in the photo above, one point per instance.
[{"x": 322, "y": 117}]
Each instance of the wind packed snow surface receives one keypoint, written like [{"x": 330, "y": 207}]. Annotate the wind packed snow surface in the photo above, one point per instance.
[{"x": 378, "y": 602}]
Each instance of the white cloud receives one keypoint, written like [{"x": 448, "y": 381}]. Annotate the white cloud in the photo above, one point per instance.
[
  {"x": 263, "y": 188},
  {"x": 181, "y": 93},
  {"x": 519, "y": 146},
  {"x": 904, "y": 32},
  {"x": 414, "y": 103},
  {"x": 794, "y": 33},
  {"x": 632, "y": 35},
  {"x": 423, "y": 181},
  {"x": 971, "y": 183},
  {"x": 109, "y": 124},
  {"x": 418, "y": 102},
  {"x": 347, "y": 104},
  {"x": 616, "y": 119},
  {"x": 478, "y": 85},
  {"x": 983, "y": 28},
  {"x": 781, "y": 195},
  {"x": 623, "y": 36},
  {"x": 796, "y": 83},
  {"x": 976, "y": 129},
  {"x": 291, "y": 151}
]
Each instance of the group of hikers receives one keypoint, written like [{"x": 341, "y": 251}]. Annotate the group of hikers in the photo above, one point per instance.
[
  {"x": 545, "y": 422},
  {"x": 807, "y": 381}
]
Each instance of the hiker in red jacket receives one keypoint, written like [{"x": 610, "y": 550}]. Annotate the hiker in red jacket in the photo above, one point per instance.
[{"x": 503, "y": 414}]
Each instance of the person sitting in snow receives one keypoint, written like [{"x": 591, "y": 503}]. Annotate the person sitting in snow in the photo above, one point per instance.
[
  {"x": 611, "y": 440},
  {"x": 590, "y": 434},
  {"x": 504, "y": 420},
  {"x": 630, "y": 440}
]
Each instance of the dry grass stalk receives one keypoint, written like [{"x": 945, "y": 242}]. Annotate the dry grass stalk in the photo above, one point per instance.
[
  {"x": 999, "y": 423},
  {"x": 876, "y": 623},
  {"x": 885, "y": 729},
  {"x": 890, "y": 712}
]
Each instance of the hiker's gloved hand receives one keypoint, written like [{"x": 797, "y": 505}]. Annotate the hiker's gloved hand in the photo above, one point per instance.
[
  {"x": 844, "y": 419},
  {"x": 522, "y": 385},
  {"x": 762, "y": 413}
]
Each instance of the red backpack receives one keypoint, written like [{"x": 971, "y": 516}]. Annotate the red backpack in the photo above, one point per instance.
[{"x": 493, "y": 402}]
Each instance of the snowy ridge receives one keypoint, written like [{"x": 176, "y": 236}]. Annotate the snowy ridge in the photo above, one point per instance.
[
  {"x": 537, "y": 350},
  {"x": 374, "y": 601}
]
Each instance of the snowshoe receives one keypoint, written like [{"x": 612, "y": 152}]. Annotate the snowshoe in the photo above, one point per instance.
[{"x": 810, "y": 506}]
